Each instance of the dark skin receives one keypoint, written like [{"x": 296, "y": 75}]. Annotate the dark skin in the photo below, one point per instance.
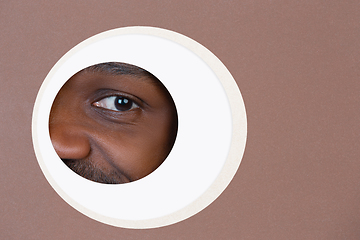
[{"x": 113, "y": 128}]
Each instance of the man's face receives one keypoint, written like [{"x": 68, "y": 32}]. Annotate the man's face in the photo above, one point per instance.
[{"x": 112, "y": 128}]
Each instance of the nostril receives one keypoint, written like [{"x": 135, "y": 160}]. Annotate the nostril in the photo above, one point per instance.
[{"x": 69, "y": 142}]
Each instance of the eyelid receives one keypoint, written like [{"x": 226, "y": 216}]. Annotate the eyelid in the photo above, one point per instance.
[
  {"x": 102, "y": 93},
  {"x": 122, "y": 117},
  {"x": 109, "y": 103}
]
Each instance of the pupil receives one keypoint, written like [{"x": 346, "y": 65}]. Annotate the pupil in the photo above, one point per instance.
[{"x": 123, "y": 104}]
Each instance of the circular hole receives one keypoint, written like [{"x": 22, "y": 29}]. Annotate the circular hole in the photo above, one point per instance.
[
  {"x": 113, "y": 123},
  {"x": 210, "y": 138}
]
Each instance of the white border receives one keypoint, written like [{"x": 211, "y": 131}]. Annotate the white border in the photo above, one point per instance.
[{"x": 211, "y": 134}]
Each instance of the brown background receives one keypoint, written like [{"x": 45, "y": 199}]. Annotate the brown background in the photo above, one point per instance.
[{"x": 297, "y": 66}]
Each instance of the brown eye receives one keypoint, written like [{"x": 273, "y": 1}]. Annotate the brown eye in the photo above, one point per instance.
[{"x": 116, "y": 103}]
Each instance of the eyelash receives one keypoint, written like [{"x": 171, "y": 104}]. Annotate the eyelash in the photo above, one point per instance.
[{"x": 116, "y": 103}]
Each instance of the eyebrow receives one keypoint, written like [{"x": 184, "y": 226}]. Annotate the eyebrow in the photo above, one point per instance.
[{"x": 117, "y": 68}]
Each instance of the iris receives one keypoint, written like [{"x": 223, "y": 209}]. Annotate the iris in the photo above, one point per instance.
[{"x": 123, "y": 104}]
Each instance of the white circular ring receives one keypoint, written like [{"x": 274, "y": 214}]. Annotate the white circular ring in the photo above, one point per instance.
[{"x": 211, "y": 133}]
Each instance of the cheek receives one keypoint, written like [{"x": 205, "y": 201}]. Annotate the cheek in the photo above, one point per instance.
[
  {"x": 146, "y": 151},
  {"x": 145, "y": 146},
  {"x": 161, "y": 129}
]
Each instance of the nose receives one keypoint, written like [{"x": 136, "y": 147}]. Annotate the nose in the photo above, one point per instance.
[{"x": 69, "y": 141}]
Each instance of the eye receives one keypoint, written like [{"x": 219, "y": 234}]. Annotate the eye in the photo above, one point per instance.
[{"x": 116, "y": 103}]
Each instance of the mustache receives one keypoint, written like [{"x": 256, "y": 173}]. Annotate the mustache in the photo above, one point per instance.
[{"x": 86, "y": 169}]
